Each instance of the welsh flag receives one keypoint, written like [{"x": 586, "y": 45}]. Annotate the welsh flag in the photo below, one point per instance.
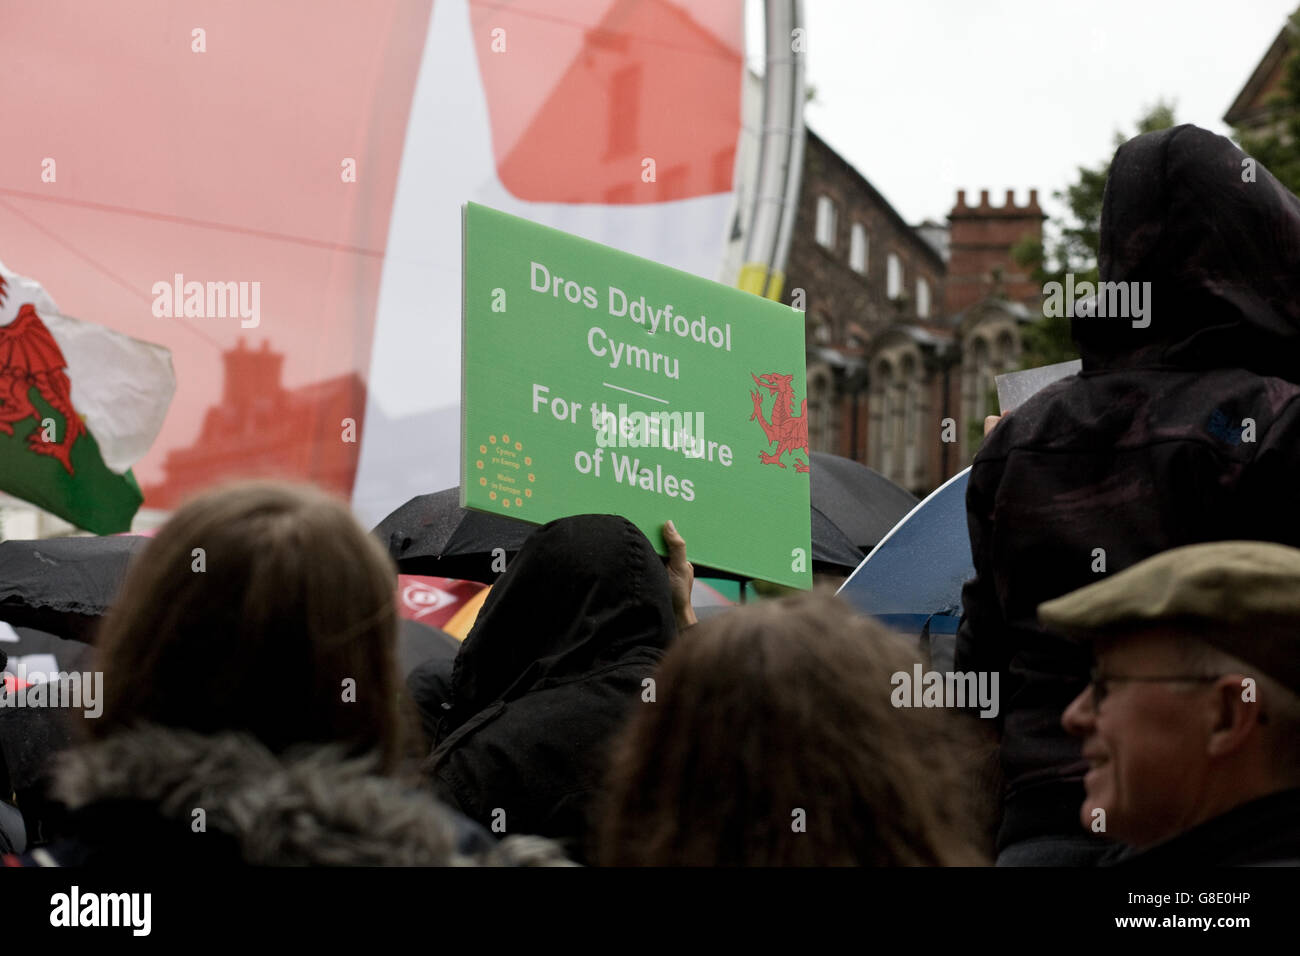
[
  {"x": 272, "y": 191},
  {"x": 79, "y": 404}
]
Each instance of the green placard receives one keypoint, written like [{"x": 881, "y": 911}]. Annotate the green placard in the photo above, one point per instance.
[{"x": 595, "y": 381}]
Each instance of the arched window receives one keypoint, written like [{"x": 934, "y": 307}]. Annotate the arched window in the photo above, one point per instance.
[
  {"x": 823, "y": 329},
  {"x": 881, "y": 393},
  {"x": 858, "y": 248},
  {"x": 897, "y": 426},
  {"x": 911, "y": 397},
  {"x": 819, "y": 411},
  {"x": 825, "y": 226},
  {"x": 1006, "y": 351},
  {"x": 893, "y": 276},
  {"x": 977, "y": 377}
]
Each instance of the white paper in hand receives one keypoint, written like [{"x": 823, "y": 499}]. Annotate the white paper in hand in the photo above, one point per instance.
[{"x": 1015, "y": 387}]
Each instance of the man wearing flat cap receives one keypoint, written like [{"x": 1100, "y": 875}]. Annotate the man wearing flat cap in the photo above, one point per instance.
[{"x": 1191, "y": 722}]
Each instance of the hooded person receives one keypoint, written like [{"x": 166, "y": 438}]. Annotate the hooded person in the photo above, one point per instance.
[
  {"x": 1182, "y": 427},
  {"x": 551, "y": 670}
]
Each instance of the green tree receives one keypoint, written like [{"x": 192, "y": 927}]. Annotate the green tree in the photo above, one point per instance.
[
  {"x": 1277, "y": 143},
  {"x": 1071, "y": 246}
]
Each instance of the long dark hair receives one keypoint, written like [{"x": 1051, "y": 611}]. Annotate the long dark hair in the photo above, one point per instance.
[
  {"x": 252, "y": 610},
  {"x": 772, "y": 741}
]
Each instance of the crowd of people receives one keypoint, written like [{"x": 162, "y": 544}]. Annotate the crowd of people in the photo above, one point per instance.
[{"x": 1137, "y": 591}]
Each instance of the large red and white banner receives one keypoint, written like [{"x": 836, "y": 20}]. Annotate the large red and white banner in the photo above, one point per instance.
[{"x": 272, "y": 190}]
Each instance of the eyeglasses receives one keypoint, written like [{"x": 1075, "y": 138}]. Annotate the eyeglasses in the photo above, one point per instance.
[{"x": 1101, "y": 682}]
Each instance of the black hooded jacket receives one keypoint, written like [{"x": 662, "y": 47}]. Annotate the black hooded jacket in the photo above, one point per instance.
[
  {"x": 550, "y": 671},
  {"x": 1183, "y": 430}
]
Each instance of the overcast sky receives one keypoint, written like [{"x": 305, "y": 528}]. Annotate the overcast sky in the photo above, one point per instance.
[{"x": 926, "y": 97}]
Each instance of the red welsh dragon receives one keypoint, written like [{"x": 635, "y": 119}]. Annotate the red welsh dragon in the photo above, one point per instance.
[
  {"x": 30, "y": 358},
  {"x": 788, "y": 430}
]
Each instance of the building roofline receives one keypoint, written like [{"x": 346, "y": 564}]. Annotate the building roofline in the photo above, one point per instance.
[
  {"x": 910, "y": 231},
  {"x": 1240, "y": 108}
]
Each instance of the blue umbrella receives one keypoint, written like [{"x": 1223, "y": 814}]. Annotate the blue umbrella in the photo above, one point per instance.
[{"x": 912, "y": 579}]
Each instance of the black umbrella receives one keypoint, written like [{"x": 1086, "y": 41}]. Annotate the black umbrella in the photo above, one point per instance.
[
  {"x": 32, "y": 649},
  {"x": 434, "y": 535},
  {"x": 862, "y": 503},
  {"x": 63, "y": 585},
  {"x": 418, "y": 643},
  {"x": 29, "y": 736},
  {"x": 832, "y": 550}
]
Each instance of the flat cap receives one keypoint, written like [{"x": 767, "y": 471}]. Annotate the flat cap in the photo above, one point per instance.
[{"x": 1242, "y": 597}]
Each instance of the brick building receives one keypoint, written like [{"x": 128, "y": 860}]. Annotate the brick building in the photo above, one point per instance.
[
  {"x": 906, "y": 326},
  {"x": 1251, "y": 110}
]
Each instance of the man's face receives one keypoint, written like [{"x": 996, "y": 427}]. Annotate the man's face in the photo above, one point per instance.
[{"x": 1145, "y": 743}]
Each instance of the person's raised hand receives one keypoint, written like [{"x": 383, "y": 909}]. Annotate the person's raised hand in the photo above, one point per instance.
[
  {"x": 681, "y": 576},
  {"x": 990, "y": 421}
]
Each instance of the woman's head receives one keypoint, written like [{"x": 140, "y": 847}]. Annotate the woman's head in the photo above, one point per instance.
[
  {"x": 263, "y": 608},
  {"x": 772, "y": 741}
]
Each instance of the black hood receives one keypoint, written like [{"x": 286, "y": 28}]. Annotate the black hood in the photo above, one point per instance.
[
  {"x": 582, "y": 593},
  {"x": 1222, "y": 255}
]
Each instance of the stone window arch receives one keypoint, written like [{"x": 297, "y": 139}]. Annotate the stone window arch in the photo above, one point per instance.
[
  {"x": 977, "y": 374},
  {"x": 1008, "y": 351},
  {"x": 823, "y": 329},
  {"x": 912, "y": 415},
  {"x": 820, "y": 407},
  {"x": 881, "y": 448}
]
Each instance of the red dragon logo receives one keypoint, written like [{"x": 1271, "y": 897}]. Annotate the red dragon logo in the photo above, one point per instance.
[
  {"x": 30, "y": 358},
  {"x": 788, "y": 430}
]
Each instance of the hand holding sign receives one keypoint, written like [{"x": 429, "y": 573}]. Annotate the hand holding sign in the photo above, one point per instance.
[{"x": 681, "y": 575}]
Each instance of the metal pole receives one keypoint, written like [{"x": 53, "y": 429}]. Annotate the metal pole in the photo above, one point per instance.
[{"x": 780, "y": 157}]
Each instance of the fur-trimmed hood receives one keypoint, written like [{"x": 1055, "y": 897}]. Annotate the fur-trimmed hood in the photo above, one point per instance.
[{"x": 308, "y": 808}]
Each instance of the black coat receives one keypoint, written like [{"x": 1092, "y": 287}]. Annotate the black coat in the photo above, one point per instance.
[
  {"x": 550, "y": 672},
  {"x": 133, "y": 799},
  {"x": 1148, "y": 448},
  {"x": 1262, "y": 832}
]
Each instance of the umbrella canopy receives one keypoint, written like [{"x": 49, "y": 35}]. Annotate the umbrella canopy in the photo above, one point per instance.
[
  {"x": 833, "y": 552},
  {"x": 417, "y": 643},
  {"x": 63, "y": 585},
  {"x": 434, "y": 535},
  {"x": 29, "y": 735},
  {"x": 35, "y": 652},
  {"x": 863, "y": 503},
  {"x": 912, "y": 579}
]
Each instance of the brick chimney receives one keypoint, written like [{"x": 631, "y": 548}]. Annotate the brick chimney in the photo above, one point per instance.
[
  {"x": 251, "y": 375},
  {"x": 981, "y": 239}
]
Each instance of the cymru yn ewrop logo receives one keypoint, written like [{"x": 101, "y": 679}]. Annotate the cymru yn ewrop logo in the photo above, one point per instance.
[
  {"x": 788, "y": 431},
  {"x": 506, "y": 471}
]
